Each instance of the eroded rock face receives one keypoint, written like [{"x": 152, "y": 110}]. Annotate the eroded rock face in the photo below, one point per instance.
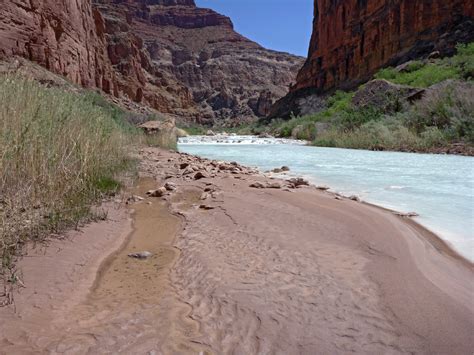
[
  {"x": 170, "y": 55},
  {"x": 353, "y": 39},
  {"x": 204, "y": 70},
  {"x": 66, "y": 37}
]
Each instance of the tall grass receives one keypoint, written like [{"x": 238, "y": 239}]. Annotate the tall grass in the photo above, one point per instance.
[{"x": 59, "y": 152}]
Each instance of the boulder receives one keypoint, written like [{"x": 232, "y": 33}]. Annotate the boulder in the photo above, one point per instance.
[
  {"x": 385, "y": 96},
  {"x": 295, "y": 182},
  {"x": 323, "y": 188},
  {"x": 158, "y": 192},
  {"x": 257, "y": 185},
  {"x": 181, "y": 133},
  {"x": 169, "y": 186},
  {"x": 200, "y": 175}
]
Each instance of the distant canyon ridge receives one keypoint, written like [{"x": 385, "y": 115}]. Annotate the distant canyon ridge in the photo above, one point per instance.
[
  {"x": 190, "y": 63},
  {"x": 170, "y": 55}
]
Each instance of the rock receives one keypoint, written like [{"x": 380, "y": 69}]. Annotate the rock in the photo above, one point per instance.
[
  {"x": 210, "y": 133},
  {"x": 434, "y": 55},
  {"x": 274, "y": 185},
  {"x": 183, "y": 165},
  {"x": 257, "y": 185},
  {"x": 134, "y": 199},
  {"x": 407, "y": 214},
  {"x": 354, "y": 198},
  {"x": 157, "y": 193},
  {"x": 200, "y": 175},
  {"x": 169, "y": 55},
  {"x": 265, "y": 135},
  {"x": 169, "y": 186},
  {"x": 65, "y": 37},
  {"x": 385, "y": 96},
  {"x": 181, "y": 133},
  {"x": 188, "y": 170},
  {"x": 206, "y": 207},
  {"x": 295, "y": 182},
  {"x": 141, "y": 255},
  {"x": 323, "y": 188},
  {"x": 280, "y": 170}
]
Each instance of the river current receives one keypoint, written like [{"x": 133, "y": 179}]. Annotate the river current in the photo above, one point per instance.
[{"x": 440, "y": 188}]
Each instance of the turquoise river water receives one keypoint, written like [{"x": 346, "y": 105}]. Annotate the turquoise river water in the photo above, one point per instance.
[{"x": 440, "y": 188}]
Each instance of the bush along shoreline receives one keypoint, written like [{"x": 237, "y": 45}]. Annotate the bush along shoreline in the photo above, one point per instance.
[
  {"x": 420, "y": 106},
  {"x": 61, "y": 154}
]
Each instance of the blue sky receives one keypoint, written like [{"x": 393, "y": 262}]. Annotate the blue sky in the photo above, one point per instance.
[{"x": 283, "y": 25}]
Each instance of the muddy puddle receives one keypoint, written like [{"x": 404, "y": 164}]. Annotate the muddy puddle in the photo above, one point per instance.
[{"x": 133, "y": 308}]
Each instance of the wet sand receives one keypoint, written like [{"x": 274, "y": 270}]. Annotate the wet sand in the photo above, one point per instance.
[{"x": 256, "y": 271}]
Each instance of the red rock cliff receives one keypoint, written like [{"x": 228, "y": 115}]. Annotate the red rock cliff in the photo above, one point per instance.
[
  {"x": 352, "y": 39},
  {"x": 66, "y": 37},
  {"x": 166, "y": 54}
]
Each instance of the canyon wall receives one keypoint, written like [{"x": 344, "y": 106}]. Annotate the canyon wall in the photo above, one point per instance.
[
  {"x": 210, "y": 73},
  {"x": 170, "y": 55},
  {"x": 353, "y": 39},
  {"x": 66, "y": 37}
]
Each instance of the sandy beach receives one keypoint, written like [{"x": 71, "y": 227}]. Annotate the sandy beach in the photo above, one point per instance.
[{"x": 269, "y": 269}]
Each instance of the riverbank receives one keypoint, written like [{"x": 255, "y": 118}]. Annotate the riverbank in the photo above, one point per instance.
[{"x": 263, "y": 269}]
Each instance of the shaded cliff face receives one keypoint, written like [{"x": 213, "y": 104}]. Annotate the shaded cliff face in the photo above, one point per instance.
[
  {"x": 353, "y": 39},
  {"x": 208, "y": 72},
  {"x": 66, "y": 37}
]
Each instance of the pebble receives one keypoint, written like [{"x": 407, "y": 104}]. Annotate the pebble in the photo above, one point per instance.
[{"x": 141, "y": 255}]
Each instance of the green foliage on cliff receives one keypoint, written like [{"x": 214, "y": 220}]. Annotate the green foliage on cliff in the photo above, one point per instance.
[
  {"x": 421, "y": 74},
  {"x": 445, "y": 114}
]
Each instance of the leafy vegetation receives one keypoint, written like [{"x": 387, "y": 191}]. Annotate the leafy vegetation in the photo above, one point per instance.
[
  {"x": 445, "y": 114},
  {"x": 59, "y": 154}
]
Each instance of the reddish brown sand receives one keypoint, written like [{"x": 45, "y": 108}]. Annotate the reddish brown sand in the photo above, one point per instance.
[{"x": 258, "y": 271}]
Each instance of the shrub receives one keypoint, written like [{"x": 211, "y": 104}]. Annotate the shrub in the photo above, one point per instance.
[
  {"x": 464, "y": 60},
  {"x": 59, "y": 152},
  {"x": 353, "y": 118},
  {"x": 423, "y": 76},
  {"x": 449, "y": 108}
]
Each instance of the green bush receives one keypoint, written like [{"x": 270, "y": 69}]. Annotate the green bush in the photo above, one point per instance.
[
  {"x": 449, "y": 108},
  {"x": 353, "y": 118},
  {"x": 423, "y": 76},
  {"x": 464, "y": 60},
  {"x": 59, "y": 153}
]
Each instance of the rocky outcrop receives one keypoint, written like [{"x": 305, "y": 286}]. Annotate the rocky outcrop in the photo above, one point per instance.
[
  {"x": 385, "y": 96},
  {"x": 353, "y": 39},
  {"x": 202, "y": 69},
  {"x": 66, "y": 37},
  {"x": 170, "y": 55}
]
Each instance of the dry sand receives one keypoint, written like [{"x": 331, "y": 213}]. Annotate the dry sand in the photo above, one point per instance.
[{"x": 258, "y": 271}]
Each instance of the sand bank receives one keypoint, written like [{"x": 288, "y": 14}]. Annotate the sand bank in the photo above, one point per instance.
[{"x": 248, "y": 271}]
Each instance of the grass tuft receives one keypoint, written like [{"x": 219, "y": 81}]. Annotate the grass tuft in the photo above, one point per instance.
[{"x": 59, "y": 153}]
